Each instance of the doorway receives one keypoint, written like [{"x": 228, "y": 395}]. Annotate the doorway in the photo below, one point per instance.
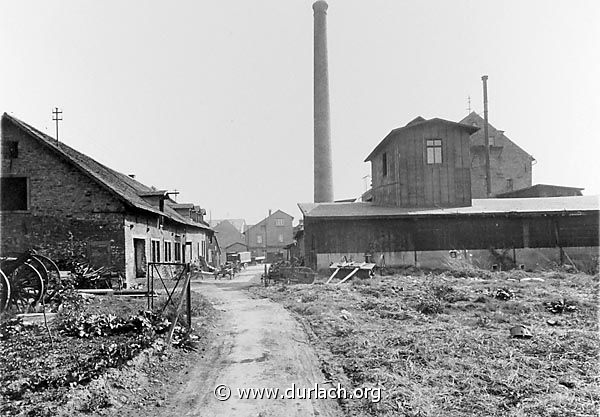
[
  {"x": 187, "y": 252},
  {"x": 139, "y": 254}
]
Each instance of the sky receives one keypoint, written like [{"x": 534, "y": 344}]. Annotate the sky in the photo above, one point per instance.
[{"x": 214, "y": 98}]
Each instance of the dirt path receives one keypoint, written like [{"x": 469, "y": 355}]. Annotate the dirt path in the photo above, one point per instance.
[{"x": 257, "y": 344}]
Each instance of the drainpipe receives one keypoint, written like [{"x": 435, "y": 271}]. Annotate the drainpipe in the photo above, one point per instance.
[{"x": 488, "y": 175}]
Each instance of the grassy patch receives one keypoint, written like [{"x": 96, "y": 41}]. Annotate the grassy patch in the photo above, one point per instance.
[{"x": 439, "y": 344}]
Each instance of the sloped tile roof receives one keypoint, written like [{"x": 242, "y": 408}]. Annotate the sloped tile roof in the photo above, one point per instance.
[{"x": 122, "y": 186}]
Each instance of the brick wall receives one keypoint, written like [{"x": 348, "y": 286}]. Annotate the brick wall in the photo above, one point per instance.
[
  {"x": 507, "y": 161},
  {"x": 68, "y": 213},
  {"x": 145, "y": 227}
]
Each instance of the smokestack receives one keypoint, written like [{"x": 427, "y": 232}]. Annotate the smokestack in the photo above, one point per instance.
[
  {"x": 488, "y": 175},
  {"x": 323, "y": 181}
]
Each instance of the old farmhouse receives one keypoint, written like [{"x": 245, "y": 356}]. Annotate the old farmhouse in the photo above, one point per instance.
[
  {"x": 421, "y": 212},
  {"x": 71, "y": 207}
]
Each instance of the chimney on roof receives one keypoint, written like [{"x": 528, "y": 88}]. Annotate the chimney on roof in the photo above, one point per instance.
[
  {"x": 269, "y": 212},
  {"x": 323, "y": 177}
]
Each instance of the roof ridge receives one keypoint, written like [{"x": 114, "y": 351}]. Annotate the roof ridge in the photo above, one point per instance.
[{"x": 120, "y": 185}]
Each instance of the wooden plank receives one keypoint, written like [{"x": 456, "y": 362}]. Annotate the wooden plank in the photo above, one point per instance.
[
  {"x": 445, "y": 192},
  {"x": 333, "y": 275},
  {"x": 403, "y": 174},
  {"x": 350, "y": 275},
  {"x": 412, "y": 174}
]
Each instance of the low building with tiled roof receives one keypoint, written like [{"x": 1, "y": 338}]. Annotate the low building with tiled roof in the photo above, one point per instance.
[{"x": 69, "y": 206}]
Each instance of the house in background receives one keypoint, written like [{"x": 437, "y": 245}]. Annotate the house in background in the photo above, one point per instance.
[
  {"x": 270, "y": 236},
  {"x": 510, "y": 165},
  {"x": 71, "y": 207},
  {"x": 230, "y": 237}
]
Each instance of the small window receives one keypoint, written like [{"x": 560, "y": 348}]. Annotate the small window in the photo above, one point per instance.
[
  {"x": 434, "y": 151},
  {"x": 280, "y": 238},
  {"x": 155, "y": 251},
  {"x": 13, "y": 193},
  {"x": 177, "y": 252},
  {"x": 168, "y": 251},
  {"x": 278, "y": 222},
  {"x": 509, "y": 184},
  {"x": 258, "y": 238},
  {"x": 10, "y": 149},
  {"x": 384, "y": 163}
]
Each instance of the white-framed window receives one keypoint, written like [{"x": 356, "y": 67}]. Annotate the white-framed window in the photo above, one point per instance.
[
  {"x": 259, "y": 239},
  {"x": 155, "y": 250},
  {"x": 168, "y": 250},
  {"x": 280, "y": 238},
  {"x": 279, "y": 222},
  {"x": 434, "y": 151}
]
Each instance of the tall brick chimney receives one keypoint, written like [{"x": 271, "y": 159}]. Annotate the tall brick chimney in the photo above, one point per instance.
[{"x": 323, "y": 177}]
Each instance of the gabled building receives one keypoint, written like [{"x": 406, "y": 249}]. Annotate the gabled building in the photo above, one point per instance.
[
  {"x": 71, "y": 207},
  {"x": 229, "y": 236},
  {"x": 423, "y": 164},
  {"x": 420, "y": 210},
  {"x": 270, "y": 236},
  {"x": 510, "y": 165}
]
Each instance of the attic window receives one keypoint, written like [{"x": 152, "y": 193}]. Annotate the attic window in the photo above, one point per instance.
[
  {"x": 278, "y": 222},
  {"x": 10, "y": 149},
  {"x": 434, "y": 151},
  {"x": 384, "y": 164},
  {"x": 13, "y": 193}
]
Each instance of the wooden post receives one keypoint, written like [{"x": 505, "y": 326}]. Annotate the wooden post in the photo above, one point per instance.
[
  {"x": 178, "y": 310},
  {"x": 189, "y": 297}
]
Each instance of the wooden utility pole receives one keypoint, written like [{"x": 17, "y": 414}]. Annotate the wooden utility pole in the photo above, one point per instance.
[
  {"x": 56, "y": 117},
  {"x": 488, "y": 175}
]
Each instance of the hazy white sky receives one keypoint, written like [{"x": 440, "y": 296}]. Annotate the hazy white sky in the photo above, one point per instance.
[{"x": 214, "y": 98}]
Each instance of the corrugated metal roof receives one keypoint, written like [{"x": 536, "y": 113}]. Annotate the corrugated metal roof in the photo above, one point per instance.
[
  {"x": 479, "y": 207},
  {"x": 123, "y": 186}
]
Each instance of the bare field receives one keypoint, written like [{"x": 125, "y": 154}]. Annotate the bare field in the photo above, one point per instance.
[{"x": 440, "y": 345}]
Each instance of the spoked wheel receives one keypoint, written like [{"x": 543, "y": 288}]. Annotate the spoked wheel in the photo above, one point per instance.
[
  {"x": 52, "y": 275},
  {"x": 4, "y": 291},
  {"x": 26, "y": 288}
]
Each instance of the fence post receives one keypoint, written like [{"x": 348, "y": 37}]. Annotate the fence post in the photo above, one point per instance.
[{"x": 189, "y": 297}]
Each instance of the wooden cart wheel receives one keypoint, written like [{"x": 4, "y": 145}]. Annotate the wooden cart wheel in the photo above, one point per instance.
[
  {"x": 4, "y": 291},
  {"x": 52, "y": 268},
  {"x": 26, "y": 288},
  {"x": 52, "y": 283}
]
